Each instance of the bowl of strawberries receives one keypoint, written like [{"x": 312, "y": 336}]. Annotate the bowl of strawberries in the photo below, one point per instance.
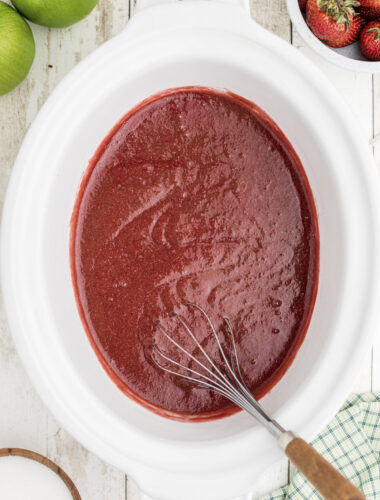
[{"x": 345, "y": 32}]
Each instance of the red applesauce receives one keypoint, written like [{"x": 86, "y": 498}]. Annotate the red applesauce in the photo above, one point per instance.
[{"x": 195, "y": 196}]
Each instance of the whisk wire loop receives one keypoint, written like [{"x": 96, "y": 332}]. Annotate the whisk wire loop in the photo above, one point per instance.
[
  {"x": 217, "y": 383},
  {"x": 229, "y": 383}
]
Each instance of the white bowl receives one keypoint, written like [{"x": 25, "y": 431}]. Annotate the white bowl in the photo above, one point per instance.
[
  {"x": 349, "y": 57},
  {"x": 217, "y": 45}
]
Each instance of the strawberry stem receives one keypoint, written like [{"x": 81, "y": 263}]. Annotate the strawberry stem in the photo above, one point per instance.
[
  {"x": 342, "y": 11},
  {"x": 375, "y": 30}
]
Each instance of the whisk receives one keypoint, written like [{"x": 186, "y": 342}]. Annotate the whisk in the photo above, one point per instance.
[{"x": 224, "y": 377}]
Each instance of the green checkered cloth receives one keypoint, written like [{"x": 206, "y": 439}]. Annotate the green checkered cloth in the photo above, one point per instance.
[{"x": 351, "y": 442}]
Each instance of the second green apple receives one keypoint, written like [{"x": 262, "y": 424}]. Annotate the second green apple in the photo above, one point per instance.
[{"x": 54, "y": 13}]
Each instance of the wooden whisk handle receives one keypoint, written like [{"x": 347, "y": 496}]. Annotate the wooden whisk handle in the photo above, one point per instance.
[{"x": 321, "y": 474}]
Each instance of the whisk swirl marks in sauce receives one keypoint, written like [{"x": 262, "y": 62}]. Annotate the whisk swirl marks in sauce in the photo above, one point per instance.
[{"x": 196, "y": 195}]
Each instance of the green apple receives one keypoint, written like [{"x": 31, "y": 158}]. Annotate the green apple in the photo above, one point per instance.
[
  {"x": 17, "y": 48},
  {"x": 54, "y": 13}
]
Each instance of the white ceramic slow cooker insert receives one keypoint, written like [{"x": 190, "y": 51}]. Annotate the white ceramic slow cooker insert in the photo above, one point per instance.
[{"x": 215, "y": 44}]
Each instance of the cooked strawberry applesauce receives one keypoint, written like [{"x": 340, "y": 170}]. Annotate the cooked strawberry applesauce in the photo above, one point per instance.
[{"x": 195, "y": 195}]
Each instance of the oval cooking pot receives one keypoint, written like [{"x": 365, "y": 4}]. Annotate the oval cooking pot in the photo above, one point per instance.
[{"x": 213, "y": 44}]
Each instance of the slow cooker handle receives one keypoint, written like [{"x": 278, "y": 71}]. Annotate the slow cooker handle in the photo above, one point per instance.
[
  {"x": 142, "y": 4},
  {"x": 143, "y": 496},
  {"x": 321, "y": 474}
]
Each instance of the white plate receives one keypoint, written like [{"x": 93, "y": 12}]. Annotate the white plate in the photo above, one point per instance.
[{"x": 349, "y": 57}]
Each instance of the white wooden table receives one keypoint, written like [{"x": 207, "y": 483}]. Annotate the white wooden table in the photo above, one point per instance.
[{"x": 24, "y": 421}]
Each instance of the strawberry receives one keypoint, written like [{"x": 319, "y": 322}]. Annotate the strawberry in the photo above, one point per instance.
[
  {"x": 370, "y": 40},
  {"x": 330, "y": 19},
  {"x": 351, "y": 35},
  {"x": 302, "y": 4},
  {"x": 370, "y": 9}
]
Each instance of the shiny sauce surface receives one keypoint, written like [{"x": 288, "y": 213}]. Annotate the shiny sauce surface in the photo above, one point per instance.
[{"x": 195, "y": 195}]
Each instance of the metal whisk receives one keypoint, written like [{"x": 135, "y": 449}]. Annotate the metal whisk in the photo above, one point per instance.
[{"x": 224, "y": 377}]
